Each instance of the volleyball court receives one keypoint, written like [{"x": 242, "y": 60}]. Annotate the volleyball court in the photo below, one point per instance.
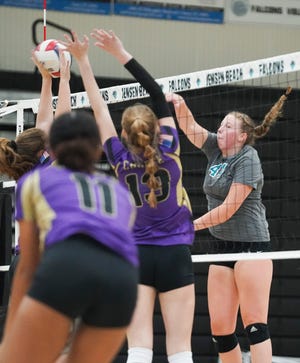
[{"x": 251, "y": 87}]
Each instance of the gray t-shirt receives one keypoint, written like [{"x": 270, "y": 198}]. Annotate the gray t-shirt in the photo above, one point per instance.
[{"x": 249, "y": 223}]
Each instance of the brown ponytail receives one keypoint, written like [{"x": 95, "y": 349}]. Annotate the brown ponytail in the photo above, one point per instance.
[
  {"x": 271, "y": 117},
  {"x": 255, "y": 132}
]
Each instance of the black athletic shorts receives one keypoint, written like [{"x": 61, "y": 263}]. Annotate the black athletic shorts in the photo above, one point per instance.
[
  {"x": 220, "y": 246},
  {"x": 165, "y": 267},
  {"x": 79, "y": 277}
]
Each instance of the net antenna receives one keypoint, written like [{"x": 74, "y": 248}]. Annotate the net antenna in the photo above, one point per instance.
[{"x": 45, "y": 18}]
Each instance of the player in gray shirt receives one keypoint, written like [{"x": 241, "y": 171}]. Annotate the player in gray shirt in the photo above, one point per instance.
[
  {"x": 248, "y": 223},
  {"x": 236, "y": 218}
]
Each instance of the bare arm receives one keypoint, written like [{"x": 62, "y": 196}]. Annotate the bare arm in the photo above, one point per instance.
[
  {"x": 109, "y": 42},
  {"x": 79, "y": 50},
  {"x": 64, "y": 92},
  {"x": 29, "y": 259},
  {"x": 45, "y": 112},
  {"x": 194, "y": 132},
  {"x": 235, "y": 198}
]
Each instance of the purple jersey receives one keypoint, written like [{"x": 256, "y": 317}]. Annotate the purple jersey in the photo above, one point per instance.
[
  {"x": 44, "y": 162},
  {"x": 64, "y": 203},
  {"x": 170, "y": 223}
]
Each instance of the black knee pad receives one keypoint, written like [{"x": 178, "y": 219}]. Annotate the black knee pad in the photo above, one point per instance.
[
  {"x": 225, "y": 343},
  {"x": 257, "y": 333}
]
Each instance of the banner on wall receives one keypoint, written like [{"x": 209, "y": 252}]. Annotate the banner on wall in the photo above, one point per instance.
[
  {"x": 206, "y": 11},
  {"x": 263, "y": 11},
  {"x": 203, "y": 11},
  {"x": 101, "y": 7}
]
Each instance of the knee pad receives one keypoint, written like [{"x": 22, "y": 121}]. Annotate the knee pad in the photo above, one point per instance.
[
  {"x": 181, "y": 357},
  {"x": 257, "y": 333},
  {"x": 139, "y": 355},
  {"x": 225, "y": 343}
]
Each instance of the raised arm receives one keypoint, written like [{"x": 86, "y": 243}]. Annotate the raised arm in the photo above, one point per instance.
[
  {"x": 109, "y": 42},
  {"x": 64, "y": 92},
  {"x": 45, "y": 111},
  {"x": 79, "y": 50},
  {"x": 194, "y": 132}
]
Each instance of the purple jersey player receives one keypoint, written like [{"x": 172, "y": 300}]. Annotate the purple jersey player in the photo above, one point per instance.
[
  {"x": 153, "y": 225},
  {"x": 78, "y": 254},
  {"x": 148, "y": 164},
  {"x": 92, "y": 203},
  {"x": 29, "y": 151}
]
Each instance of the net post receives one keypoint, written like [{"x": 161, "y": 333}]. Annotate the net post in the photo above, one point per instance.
[{"x": 20, "y": 121}]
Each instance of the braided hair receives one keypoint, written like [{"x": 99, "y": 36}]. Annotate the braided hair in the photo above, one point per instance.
[{"x": 141, "y": 126}]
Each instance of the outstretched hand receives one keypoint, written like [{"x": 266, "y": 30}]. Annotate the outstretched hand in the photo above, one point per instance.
[
  {"x": 78, "y": 48},
  {"x": 43, "y": 71},
  {"x": 109, "y": 41}
]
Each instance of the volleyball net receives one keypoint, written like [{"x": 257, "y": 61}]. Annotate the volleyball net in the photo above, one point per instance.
[
  {"x": 253, "y": 73},
  {"x": 251, "y": 87}
]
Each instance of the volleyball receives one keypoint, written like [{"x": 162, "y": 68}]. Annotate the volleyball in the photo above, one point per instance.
[{"x": 47, "y": 52}]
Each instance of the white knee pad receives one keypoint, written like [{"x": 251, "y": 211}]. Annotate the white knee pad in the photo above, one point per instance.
[
  {"x": 181, "y": 357},
  {"x": 139, "y": 355}
]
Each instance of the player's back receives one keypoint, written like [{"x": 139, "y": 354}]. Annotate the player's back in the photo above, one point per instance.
[{"x": 65, "y": 203}]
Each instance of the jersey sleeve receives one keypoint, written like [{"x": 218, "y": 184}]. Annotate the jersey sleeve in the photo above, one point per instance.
[
  {"x": 248, "y": 170},
  {"x": 210, "y": 147},
  {"x": 169, "y": 140},
  {"x": 114, "y": 150},
  {"x": 24, "y": 197}
]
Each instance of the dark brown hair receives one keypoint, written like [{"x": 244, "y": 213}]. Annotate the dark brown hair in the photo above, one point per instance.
[
  {"x": 20, "y": 156},
  {"x": 75, "y": 140}
]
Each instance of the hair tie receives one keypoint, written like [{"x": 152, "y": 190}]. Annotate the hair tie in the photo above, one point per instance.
[{"x": 13, "y": 145}]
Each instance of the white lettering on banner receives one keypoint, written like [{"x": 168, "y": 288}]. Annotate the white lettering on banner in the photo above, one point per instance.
[
  {"x": 270, "y": 68},
  {"x": 228, "y": 75},
  {"x": 180, "y": 84}
]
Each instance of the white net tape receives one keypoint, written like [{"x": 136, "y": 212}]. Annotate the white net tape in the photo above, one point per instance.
[{"x": 245, "y": 256}]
